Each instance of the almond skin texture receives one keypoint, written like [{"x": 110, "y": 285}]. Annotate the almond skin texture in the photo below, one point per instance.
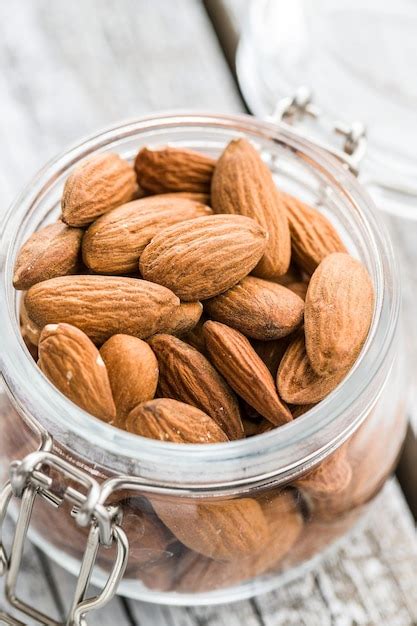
[
  {"x": 96, "y": 186},
  {"x": 312, "y": 235},
  {"x": 225, "y": 531},
  {"x": 338, "y": 313},
  {"x": 133, "y": 372},
  {"x": 50, "y": 252},
  {"x": 115, "y": 241},
  {"x": 183, "y": 319},
  {"x": 330, "y": 477},
  {"x": 102, "y": 306},
  {"x": 297, "y": 382},
  {"x": 232, "y": 354},
  {"x": 242, "y": 184},
  {"x": 186, "y": 375},
  {"x": 271, "y": 352},
  {"x": 173, "y": 169},
  {"x": 29, "y": 329},
  {"x": 168, "y": 420},
  {"x": 74, "y": 365},
  {"x": 258, "y": 308},
  {"x": 203, "y": 257}
]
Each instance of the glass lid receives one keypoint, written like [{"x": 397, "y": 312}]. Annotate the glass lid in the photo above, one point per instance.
[{"x": 359, "y": 59}]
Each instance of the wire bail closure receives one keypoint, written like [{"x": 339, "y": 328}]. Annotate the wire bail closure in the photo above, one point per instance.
[
  {"x": 292, "y": 110},
  {"x": 29, "y": 479}
]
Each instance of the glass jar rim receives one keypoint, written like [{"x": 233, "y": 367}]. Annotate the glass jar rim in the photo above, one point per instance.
[{"x": 281, "y": 452}]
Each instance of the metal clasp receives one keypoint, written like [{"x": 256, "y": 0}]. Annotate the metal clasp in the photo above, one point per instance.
[
  {"x": 292, "y": 110},
  {"x": 29, "y": 479}
]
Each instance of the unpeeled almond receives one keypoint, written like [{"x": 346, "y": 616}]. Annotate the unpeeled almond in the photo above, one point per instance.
[
  {"x": 169, "y": 420},
  {"x": 233, "y": 356},
  {"x": 167, "y": 169},
  {"x": 203, "y": 257},
  {"x": 133, "y": 372},
  {"x": 50, "y": 252},
  {"x": 97, "y": 185},
  {"x": 102, "y": 306},
  {"x": 258, "y": 308},
  {"x": 186, "y": 375},
  {"x": 242, "y": 184},
  {"x": 74, "y": 365},
  {"x": 115, "y": 241},
  {"x": 338, "y": 313}
]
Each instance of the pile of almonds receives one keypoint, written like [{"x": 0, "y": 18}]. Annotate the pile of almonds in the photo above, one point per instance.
[{"x": 190, "y": 300}]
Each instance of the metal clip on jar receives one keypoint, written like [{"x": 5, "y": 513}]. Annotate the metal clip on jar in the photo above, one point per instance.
[{"x": 202, "y": 524}]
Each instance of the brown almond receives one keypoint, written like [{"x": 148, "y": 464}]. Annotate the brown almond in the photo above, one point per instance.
[
  {"x": 300, "y": 288},
  {"x": 173, "y": 169},
  {"x": 203, "y": 257},
  {"x": 195, "y": 337},
  {"x": 115, "y": 241},
  {"x": 49, "y": 252},
  {"x": 257, "y": 308},
  {"x": 133, "y": 372},
  {"x": 313, "y": 237},
  {"x": 271, "y": 352},
  {"x": 28, "y": 328},
  {"x": 183, "y": 319},
  {"x": 297, "y": 382},
  {"x": 242, "y": 184},
  {"x": 74, "y": 365},
  {"x": 227, "y": 530},
  {"x": 97, "y": 185},
  {"x": 233, "y": 356},
  {"x": 186, "y": 375},
  {"x": 338, "y": 313},
  {"x": 102, "y": 306},
  {"x": 169, "y": 420},
  {"x": 329, "y": 478}
]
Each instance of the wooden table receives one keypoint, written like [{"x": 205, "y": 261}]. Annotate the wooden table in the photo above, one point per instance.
[{"x": 67, "y": 69}]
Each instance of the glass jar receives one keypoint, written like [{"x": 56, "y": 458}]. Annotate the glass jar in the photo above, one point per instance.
[{"x": 220, "y": 522}]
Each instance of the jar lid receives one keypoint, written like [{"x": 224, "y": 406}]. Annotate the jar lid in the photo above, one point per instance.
[{"x": 359, "y": 59}]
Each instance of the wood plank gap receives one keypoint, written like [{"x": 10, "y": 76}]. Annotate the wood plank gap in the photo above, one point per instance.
[
  {"x": 227, "y": 36},
  {"x": 257, "y": 611},
  {"x": 51, "y": 582},
  {"x": 129, "y": 614}
]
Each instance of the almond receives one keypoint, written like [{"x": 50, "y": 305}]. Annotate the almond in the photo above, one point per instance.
[
  {"x": 271, "y": 352},
  {"x": 300, "y": 288},
  {"x": 97, "y": 185},
  {"x": 74, "y": 365},
  {"x": 186, "y": 375},
  {"x": 297, "y": 382},
  {"x": 338, "y": 313},
  {"x": 133, "y": 372},
  {"x": 330, "y": 477},
  {"x": 258, "y": 308},
  {"x": 227, "y": 530},
  {"x": 203, "y": 257},
  {"x": 242, "y": 184},
  {"x": 195, "y": 337},
  {"x": 183, "y": 319},
  {"x": 28, "y": 328},
  {"x": 50, "y": 252},
  {"x": 198, "y": 573},
  {"x": 313, "y": 237},
  {"x": 234, "y": 357},
  {"x": 115, "y": 241},
  {"x": 173, "y": 169},
  {"x": 168, "y": 420},
  {"x": 102, "y": 306}
]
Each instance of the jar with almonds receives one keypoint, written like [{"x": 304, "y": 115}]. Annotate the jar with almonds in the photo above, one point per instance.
[{"x": 200, "y": 315}]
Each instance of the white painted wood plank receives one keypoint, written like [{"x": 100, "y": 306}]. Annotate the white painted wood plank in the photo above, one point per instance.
[{"x": 32, "y": 584}]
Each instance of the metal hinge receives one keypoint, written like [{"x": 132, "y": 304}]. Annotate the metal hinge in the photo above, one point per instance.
[
  {"x": 29, "y": 479},
  {"x": 294, "y": 109}
]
